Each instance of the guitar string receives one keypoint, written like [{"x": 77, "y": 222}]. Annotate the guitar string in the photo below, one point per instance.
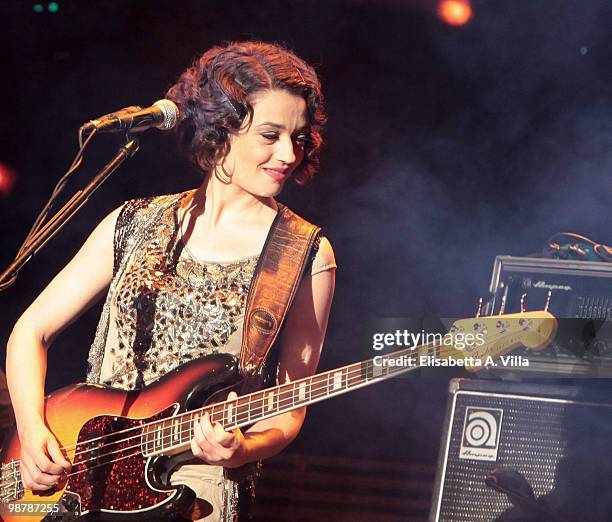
[
  {"x": 359, "y": 367},
  {"x": 242, "y": 418},
  {"x": 135, "y": 454},
  {"x": 21, "y": 490},
  {"x": 316, "y": 380},
  {"x": 123, "y": 449},
  {"x": 240, "y": 402},
  {"x": 189, "y": 423},
  {"x": 286, "y": 403},
  {"x": 263, "y": 392},
  {"x": 444, "y": 351},
  {"x": 238, "y": 422},
  {"x": 282, "y": 389}
]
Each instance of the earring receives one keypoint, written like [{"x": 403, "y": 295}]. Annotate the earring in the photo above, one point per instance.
[{"x": 226, "y": 179}]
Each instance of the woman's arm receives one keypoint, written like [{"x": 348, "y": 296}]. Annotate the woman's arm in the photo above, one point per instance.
[
  {"x": 301, "y": 345},
  {"x": 70, "y": 293}
]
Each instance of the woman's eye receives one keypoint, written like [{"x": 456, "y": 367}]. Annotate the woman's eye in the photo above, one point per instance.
[
  {"x": 301, "y": 139},
  {"x": 272, "y": 136}
]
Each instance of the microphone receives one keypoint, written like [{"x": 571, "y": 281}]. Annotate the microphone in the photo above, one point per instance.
[{"x": 162, "y": 115}]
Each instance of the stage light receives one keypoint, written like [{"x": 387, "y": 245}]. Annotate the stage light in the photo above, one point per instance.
[
  {"x": 7, "y": 180},
  {"x": 38, "y": 8},
  {"x": 53, "y": 7},
  {"x": 455, "y": 12}
]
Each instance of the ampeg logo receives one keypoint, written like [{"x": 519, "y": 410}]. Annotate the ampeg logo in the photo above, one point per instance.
[{"x": 481, "y": 430}]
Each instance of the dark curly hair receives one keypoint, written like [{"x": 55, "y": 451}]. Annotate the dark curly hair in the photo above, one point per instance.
[{"x": 213, "y": 96}]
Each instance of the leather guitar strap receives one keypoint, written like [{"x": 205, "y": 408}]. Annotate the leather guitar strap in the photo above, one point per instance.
[{"x": 274, "y": 286}]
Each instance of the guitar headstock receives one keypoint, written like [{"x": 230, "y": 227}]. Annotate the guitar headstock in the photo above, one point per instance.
[{"x": 500, "y": 334}]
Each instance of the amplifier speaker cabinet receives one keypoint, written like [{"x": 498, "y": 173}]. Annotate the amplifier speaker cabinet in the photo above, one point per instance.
[{"x": 525, "y": 452}]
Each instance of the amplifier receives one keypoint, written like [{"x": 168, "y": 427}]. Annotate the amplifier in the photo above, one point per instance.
[
  {"x": 576, "y": 290},
  {"x": 546, "y": 447}
]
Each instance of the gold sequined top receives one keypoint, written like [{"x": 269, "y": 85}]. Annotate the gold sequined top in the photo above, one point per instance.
[
  {"x": 164, "y": 307},
  {"x": 168, "y": 307}
]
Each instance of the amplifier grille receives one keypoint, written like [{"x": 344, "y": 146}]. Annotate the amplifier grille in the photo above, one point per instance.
[{"x": 537, "y": 438}]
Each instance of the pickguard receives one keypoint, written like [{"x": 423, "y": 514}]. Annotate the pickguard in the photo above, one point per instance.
[{"x": 109, "y": 472}]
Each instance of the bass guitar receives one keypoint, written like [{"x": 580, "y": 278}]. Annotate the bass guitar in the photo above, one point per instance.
[{"x": 124, "y": 445}]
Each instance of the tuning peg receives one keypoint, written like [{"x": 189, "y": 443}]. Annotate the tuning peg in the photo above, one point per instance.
[
  {"x": 502, "y": 306},
  {"x": 523, "y": 297}
]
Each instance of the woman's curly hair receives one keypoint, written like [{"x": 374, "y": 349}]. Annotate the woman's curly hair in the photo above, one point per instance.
[{"x": 213, "y": 96}]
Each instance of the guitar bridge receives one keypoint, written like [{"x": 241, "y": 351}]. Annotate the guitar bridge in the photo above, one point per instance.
[{"x": 12, "y": 487}]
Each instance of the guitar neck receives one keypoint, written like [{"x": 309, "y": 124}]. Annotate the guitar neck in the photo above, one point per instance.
[
  {"x": 173, "y": 435},
  {"x": 499, "y": 336}
]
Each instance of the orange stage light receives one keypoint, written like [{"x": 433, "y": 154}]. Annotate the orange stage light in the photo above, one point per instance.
[{"x": 455, "y": 12}]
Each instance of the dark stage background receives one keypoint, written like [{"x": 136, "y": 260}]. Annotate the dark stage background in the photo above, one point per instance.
[{"x": 445, "y": 147}]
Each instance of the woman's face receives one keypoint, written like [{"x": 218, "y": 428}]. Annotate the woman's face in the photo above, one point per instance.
[{"x": 264, "y": 154}]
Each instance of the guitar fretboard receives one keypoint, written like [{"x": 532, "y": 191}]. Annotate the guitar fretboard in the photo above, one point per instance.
[{"x": 174, "y": 434}]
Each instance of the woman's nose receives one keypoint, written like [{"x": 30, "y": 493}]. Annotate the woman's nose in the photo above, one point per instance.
[{"x": 285, "y": 151}]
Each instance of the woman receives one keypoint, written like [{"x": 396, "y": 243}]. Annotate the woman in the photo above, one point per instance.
[{"x": 179, "y": 267}]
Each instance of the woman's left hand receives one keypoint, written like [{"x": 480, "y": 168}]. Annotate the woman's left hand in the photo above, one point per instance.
[{"x": 214, "y": 445}]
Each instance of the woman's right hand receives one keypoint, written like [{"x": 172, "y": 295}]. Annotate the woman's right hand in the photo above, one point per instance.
[
  {"x": 43, "y": 464},
  {"x": 71, "y": 292}
]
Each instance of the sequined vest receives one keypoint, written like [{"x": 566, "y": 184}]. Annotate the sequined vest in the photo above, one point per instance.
[{"x": 164, "y": 307}]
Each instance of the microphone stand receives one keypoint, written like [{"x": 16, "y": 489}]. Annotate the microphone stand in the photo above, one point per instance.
[{"x": 63, "y": 215}]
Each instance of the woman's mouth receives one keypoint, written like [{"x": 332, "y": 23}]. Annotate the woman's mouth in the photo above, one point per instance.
[{"x": 277, "y": 174}]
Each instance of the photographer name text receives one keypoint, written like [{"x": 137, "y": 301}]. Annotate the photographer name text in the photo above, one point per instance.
[{"x": 409, "y": 361}]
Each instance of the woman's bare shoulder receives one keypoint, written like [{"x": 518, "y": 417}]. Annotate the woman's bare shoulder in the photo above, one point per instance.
[{"x": 325, "y": 258}]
